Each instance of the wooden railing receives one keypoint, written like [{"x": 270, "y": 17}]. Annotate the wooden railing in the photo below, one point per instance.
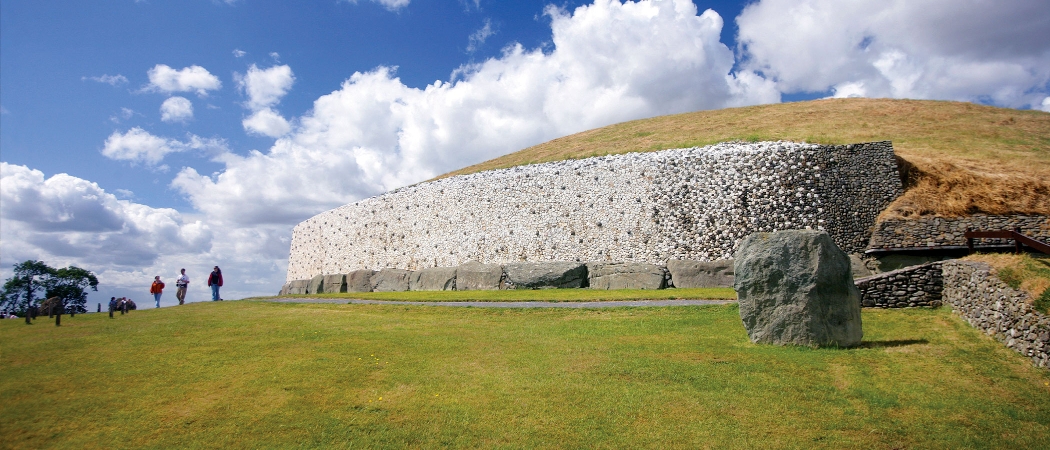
[{"x": 1020, "y": 240}]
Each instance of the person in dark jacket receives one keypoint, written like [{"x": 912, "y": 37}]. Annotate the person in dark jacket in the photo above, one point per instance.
[{"x": 214, "y": 281}]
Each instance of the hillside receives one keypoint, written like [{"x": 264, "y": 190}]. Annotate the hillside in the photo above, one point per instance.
[{"x": 958, "y": 158}]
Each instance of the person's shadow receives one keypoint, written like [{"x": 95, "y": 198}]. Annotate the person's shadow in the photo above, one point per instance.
[{"x": 891, "y": 343}]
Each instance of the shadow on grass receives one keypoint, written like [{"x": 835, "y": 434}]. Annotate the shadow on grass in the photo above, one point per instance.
[{"x": 891, "y": 343}]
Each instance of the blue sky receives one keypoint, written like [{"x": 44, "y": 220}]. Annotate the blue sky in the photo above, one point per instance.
[{"x": 138, "y": 137}]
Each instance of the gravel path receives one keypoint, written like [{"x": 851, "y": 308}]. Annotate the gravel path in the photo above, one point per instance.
[{"x": 606, "y": 304}]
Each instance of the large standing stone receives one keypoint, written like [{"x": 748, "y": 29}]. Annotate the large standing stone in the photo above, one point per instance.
[
  {"x": 701, "y": 274},
  {"x": 359, "y": 280},
  {"x": 545, "y": 275},
  {"x": 316, "y": 285},
  {"x": 796, "y": 287},
  {"x": 433, "y": 279},
  {"x": 391, "y": 280},
  {"x": 475, "y": 276},
  {"x": 335, "y": 283},
  {"x": 625, "y": 276}
]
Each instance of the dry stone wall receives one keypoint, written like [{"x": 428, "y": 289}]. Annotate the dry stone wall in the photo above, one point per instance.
[
  {"x": 895, "y": 234},
  {"x": 695, "y": 203},
  {"x": 914, "y": 286},
  {"x": 1000, "y": 311}
]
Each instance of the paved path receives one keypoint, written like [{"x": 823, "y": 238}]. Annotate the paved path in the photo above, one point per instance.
[{"x": 606, "y": 304}]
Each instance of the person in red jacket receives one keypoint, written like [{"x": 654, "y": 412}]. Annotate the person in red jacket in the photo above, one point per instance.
[
  {"x": 215, "y": 280},
  {"x": 156, "y": 289}
]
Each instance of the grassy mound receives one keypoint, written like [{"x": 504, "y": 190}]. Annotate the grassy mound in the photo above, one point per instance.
[
  {"x": 958, "y": 158},
  {"x": 266, "y": 375}
]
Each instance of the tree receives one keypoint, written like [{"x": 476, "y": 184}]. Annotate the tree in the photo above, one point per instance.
[
  {"x": 69, "y": 284},
  {"x": 21, "y": 290},
  {"x": 32, "y": 277}
]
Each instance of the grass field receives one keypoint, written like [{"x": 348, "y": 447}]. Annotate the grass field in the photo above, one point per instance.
[
  {"x": 258, "y": 374},
  {"x": 960, "y": 158},
  {"x": 549, "y": 295}
]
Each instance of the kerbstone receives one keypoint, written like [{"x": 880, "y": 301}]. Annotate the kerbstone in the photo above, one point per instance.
[
  {"x": 433, "y": 279},
  {"x": 701, "y": 274},
  {"x": 316, "y": 285},
  {"x": 335, "y": 283},
  {"x": 796, "y": 287},
  {"x": 298, "y": 287},
  {"x": 474, "y": 276},
  {"x": 359, "y": 280},
  {"x": 625, "y": 276},
  {"x": 546, "y": 275},
  {"x": 391, "y": 280}
]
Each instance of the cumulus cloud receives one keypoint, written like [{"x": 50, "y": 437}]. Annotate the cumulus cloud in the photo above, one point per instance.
[
  {"x": 968, "y": 50},
  {"x": 189, "y": 79},
  {"x": 69, "y": 217},
  {"x": 139, "y": 146},
  {"x": 266, "y": 122},
  {"x": 1046, "y": 104},
  {"x": 609, "y": 62},
  {"x": 176, "y": 109},
  {"x": 265, "y": 87},
  {"x": 111, "y": 80}
]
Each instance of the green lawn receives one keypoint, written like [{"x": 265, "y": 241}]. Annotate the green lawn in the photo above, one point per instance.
[
  {"x": 250, "y": 374},
  {"x": 549, "y": 295}
]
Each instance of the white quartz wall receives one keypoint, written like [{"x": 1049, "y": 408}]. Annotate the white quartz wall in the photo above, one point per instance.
[{"x": 695, "y": 203}]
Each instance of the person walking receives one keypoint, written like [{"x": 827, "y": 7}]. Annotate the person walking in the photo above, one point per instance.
[
  {"x": 180, "y": 285},
  {"x": 156, "y": 289},
  {"x": 214, "y": 281}
]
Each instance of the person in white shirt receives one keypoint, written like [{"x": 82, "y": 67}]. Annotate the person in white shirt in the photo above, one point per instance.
[{"x": 180, "y": 284}]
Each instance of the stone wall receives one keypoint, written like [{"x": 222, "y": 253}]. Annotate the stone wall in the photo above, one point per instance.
[
  {"x": 696, "y": 204},
  {"x": 938, "y": 232},
  {"x": 910, "y": 287},
  {"x": 997, "y": 309}
]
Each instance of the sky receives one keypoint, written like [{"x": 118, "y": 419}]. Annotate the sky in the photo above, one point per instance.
[{"x": 138, "y": 137}]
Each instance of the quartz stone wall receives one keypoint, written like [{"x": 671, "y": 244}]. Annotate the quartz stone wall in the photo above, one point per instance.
[{"x": 695, "y": 203}]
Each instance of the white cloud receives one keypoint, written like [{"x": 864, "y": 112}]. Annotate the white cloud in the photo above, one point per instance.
[
  {"x": 392, "y": 5},
  {"x": 69, "y": 217},
  {"x": 267, "y": 122},
  {"x": 176, "y": 109},
  {"x": 276, "y": 57},
  {"x": 265, "y": 87},
  {"x": 139, "y": 146},
  {"x": 610, "y": 62},
  {"x": 1046, "y": 104},
  {"x": 969, "y": 50},
  {"x": 111, "y": 80},
  {"x": 189, "y": 79},
  {"x": 478, "y": 38},
  {"x": 237, "y": 53}
]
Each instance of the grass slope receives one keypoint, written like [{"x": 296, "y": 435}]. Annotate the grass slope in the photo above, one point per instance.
[
  {"x": 265, "y": 375},
  {"x": 960, "y": 158}
]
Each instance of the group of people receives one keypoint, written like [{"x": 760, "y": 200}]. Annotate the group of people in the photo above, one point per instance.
[{"x": 181, "y": 283}]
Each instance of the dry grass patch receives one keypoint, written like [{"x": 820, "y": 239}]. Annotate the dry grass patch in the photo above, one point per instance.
[{"x": 962, "y": 158}]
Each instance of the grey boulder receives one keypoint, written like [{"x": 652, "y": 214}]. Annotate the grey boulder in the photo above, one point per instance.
[
  {"x": 316, "y": 285},
  {"x": 391, "y": 280},
  {"x": 359, "y": 280},
  {"x": 701, "y": 274},
  {"x": 625, "y": 276},
  {"x": 546, "y": 275},
  {"x": 335, "y": 283},
  {"x": 297, "y": 287},
  {"x": 475, "y": 276},
  {"x": 796, "y": 287},
  {"x": 433, "y": 279}
]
